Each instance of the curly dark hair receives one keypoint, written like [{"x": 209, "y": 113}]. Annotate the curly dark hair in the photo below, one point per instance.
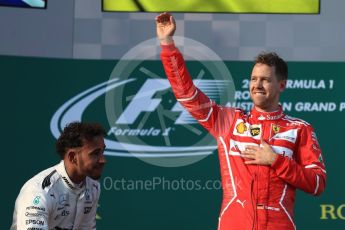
[
  {"x": 272, "y": 59},
  {"x": 74, "y": 134}
]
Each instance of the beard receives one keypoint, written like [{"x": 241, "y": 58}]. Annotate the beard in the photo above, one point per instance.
[
  {"x": 95, "y": 177},
  {"x": 96, "y": 172}
]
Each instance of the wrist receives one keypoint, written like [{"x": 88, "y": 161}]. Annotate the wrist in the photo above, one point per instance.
[
  {"x": 277, "y": 161},
  {"x": 166, "y": 40},
  {"x": 273, "y": 159}
]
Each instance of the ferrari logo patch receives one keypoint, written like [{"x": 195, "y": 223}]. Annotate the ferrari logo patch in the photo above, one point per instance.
[{"x": 275, "y": 128}]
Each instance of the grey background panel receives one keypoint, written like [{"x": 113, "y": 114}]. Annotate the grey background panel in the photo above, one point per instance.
[
  {"x": 79, "y": 29},
  {"x": 37, "y": 32}
]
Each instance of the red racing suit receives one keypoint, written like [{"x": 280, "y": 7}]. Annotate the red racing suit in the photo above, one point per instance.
[{"x": 254, "y": 196}]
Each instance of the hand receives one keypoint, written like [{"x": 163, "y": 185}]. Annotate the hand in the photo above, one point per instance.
[
  {"x": 259, "y": 155},
  {"x": 166, "y": 26}
]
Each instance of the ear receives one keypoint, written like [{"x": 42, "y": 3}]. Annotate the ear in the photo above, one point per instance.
[
  {"x": 71, "y": 156},
  {"x": 282, "y": 85}
]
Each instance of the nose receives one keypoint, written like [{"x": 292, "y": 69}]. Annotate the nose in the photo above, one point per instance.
[
  {"x": 102, "y": 159},
  {"x": 258, "y": 84}
]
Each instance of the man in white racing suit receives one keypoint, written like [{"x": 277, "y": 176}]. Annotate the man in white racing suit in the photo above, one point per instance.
[{"x": 65, "y": 196}]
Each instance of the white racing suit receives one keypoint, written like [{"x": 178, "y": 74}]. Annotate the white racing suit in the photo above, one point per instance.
[{"x": 50, "y": 200}]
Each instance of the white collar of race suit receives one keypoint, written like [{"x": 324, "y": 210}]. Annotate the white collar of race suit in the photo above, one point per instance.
[
  {"x": 262, "y": 116},
  {"x": 69, "y": 183}
]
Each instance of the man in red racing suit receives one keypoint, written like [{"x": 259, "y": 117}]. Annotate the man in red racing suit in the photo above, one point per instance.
[{"x": 264, "y": 155}]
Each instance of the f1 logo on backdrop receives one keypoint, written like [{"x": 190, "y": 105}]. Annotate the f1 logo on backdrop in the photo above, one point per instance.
[
  {"x": 143, "y": 118},
  {"x": 144, "y": 100}
]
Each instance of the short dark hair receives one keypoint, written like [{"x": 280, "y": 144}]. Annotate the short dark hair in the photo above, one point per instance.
[
  {"x": 272, "y": 59},
  {"x": 74, "y": 135}
]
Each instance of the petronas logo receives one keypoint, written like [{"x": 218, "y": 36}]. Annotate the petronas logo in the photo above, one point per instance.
[{"x": 36, "y": 201}]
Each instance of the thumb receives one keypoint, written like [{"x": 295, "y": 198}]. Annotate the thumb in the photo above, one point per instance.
[
  {"x": 172, "y": 20},
  {"x": 263, "y": 142}
]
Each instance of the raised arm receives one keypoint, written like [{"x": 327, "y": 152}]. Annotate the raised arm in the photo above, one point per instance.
[{"x": 215, "y": 119}]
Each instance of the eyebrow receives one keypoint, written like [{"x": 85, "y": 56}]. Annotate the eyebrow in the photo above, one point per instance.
[
  {"x": 265, "y": 77},
  {"x": 98, "y": 149}
]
